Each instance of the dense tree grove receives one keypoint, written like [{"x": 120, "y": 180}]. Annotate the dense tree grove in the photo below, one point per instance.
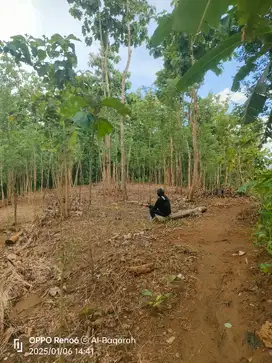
[
  {"x": 157, "y": 135},
  {"x": 60, "y": 127}
]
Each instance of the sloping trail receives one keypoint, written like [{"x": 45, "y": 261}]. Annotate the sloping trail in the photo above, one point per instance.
[{"x": 219, "y": 298}]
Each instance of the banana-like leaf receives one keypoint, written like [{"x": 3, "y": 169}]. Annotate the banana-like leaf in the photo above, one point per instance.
[
  {"x": 255, "y": 103},
  {"x": 193, "y": 16},
  {"x": 117, "y": 105},
  {"x": 245, "y": 70},
  {"x": 252, "y": 14},
  {"x": 164, "y": 28},
  {"x": 209, "y": 61},
  {"x": 190, "y": 16}
]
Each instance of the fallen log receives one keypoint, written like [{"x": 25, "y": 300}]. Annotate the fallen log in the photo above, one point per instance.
[
  {"x": 143, "y": 269},
  {"x": 139, "y": 203},
  {"x": 183, "y": 213}
]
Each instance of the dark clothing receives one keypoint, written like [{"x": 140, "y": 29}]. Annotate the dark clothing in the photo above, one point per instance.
[{"x": 162, "y": 207}]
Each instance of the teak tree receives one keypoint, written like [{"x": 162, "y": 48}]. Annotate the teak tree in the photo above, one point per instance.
[{"x": 114, "y": 24}]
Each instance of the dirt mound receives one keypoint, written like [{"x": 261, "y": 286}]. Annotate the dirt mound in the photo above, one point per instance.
[{"x": 250, "y": 214}]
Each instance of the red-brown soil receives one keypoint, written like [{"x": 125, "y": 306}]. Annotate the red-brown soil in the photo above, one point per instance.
[{"x": 102, "y": 298}]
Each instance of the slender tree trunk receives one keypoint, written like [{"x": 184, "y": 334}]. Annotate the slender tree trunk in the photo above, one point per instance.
[
  {"x": 90, "y": 181},
  {"x": 42, "y": 172},
  {"x": 181, "y": 171},
  {"x": 15, "y": 197},
  {"x": 129, "y": 155},
  {"x": 76, "y": 176},
  {"x": 81, "y": 180},
  {"x": 122, "y": 131},
  {"x": 240, "y": 168},
  {"x": 218, "y": 177},
  {"x": 66, "y": 186},
  {"x": 171, "y": 162},
  {"x": 10, "y": 187},
  {"x": 189, "y": 168},
  {"x": 34, "y": 172},
  {"x": 195, "y": 179},
  {"x": 164, "y": 174},
  {"x": 226, "y": 176},
  {"x": 193, "y": 122},
  {"x": 2, "y": 187},
  {"x": 106, "y": 175}
]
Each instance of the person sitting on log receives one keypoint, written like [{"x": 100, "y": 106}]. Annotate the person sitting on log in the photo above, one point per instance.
[{"x": 162, "y": 206}]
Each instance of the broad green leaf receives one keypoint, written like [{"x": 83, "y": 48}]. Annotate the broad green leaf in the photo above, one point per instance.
[
  {"x": 117, "y": 105},
  {"x": 103, "y": 127},
  {"x": 193, "y": 16},
  {"x": 245, "y": 70},
  {"x": 57, "y": 38},
  {"x": 72, "y": 105},
  {"x": 255, "y": 103},
  {"x": 165, "y": 25},
  {"x": 19, "y": 38},
  {"x": 19, "y": 47},
  {"x": 147, "y": 293},
  {"x": 266, "y": 267},
  {"x": 245, "y": 187},
  {"x": 43, "y": 70},
  {"x": 73, "y": 37},
  {"x": 208, "y": 61},
  {"x": 41, "y": 54},
  {"x": 82, "y": 119},
  {"x": 251, "y": 13},
  {"x": 73, "y": 139}
]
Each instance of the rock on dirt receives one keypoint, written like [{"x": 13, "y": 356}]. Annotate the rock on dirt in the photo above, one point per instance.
[
  {"x": 53, "y": 291},
  {"x": 266, "y": 334},
  {"x": 12, "y": 257},
  {"x": 170, "y": 340}
]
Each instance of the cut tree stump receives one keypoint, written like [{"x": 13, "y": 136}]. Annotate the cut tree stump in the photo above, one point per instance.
[{"x": 183, "y": 213}]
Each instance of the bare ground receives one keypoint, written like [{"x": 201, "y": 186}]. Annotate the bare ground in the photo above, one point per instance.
[{"x": 102, "y": 298}]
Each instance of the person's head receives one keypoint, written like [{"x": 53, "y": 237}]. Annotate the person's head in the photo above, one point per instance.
[{"x": 160, "y": 192}]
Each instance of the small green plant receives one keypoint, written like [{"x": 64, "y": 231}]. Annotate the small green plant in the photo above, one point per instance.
[
  {"x": 266, "y": 267},
  {"x": 262, "y": 186},
  {"x": 155, "y": 300}
]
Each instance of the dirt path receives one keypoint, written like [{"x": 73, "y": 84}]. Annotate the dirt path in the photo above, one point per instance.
[
  {"x": 217, "y": 288},
  {"x": 219, "y": 291}
]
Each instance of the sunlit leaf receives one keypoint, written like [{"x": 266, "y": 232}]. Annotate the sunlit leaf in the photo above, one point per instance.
[
  {"x": 193, "y": 16},
  {"x": 103, "y": 127},
  {"x": 208, "y": 61},
  {"x": 82, "y": 119},
  {"x": 165, "y": 25},
  {"x": 117, "y": 105},
  {"x": 266, "y": 267},
  {"x": 73, "y": 139},
  {"x": 73, "y": 37},
  {"x": 147, "y": 293},
  {"x": 57, "y": 38},
  {"x": 245, "y": 70},
  {"x": 256, "y": 101}
]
